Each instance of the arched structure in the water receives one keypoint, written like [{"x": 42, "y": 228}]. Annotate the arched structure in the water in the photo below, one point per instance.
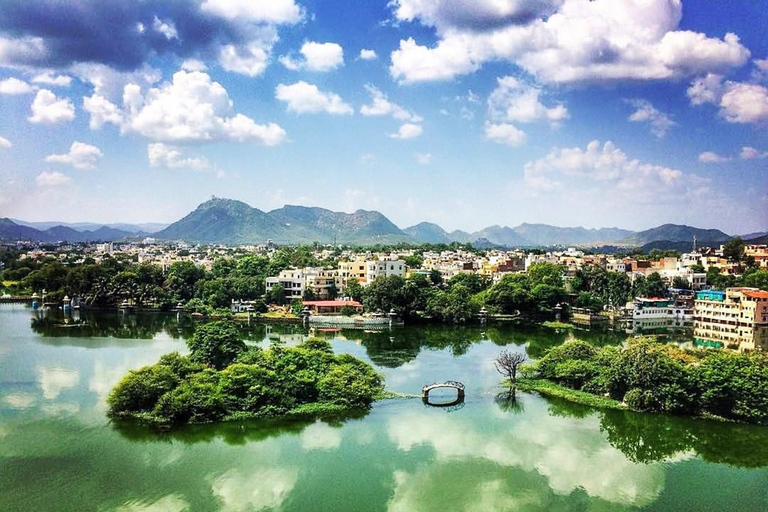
[{"x": 458, "y": 386}]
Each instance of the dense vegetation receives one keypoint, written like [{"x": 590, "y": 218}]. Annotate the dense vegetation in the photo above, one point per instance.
[
  {"x": 223, "y": 379},
  {"x": 657, "y": 377},
  {"x": 239, "y": 275}
]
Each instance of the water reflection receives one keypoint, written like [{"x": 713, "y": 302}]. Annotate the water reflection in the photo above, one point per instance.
[{"x": 648, "y": 438}]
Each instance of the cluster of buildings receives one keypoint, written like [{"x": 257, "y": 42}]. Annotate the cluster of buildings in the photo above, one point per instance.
[{"x": 736, "y": 318}]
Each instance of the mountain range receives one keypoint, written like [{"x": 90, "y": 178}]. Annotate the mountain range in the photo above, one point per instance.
[{"x": 231, "y": 222}]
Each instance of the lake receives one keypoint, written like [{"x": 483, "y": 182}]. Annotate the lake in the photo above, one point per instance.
[{"x": 494, "y": 452}]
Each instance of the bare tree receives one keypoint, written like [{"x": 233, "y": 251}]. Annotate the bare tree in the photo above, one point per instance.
[{"x": 508, "y": 363}]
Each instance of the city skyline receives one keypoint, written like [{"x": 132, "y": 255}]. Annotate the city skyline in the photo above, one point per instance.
[{"x": 564, "y": 112}]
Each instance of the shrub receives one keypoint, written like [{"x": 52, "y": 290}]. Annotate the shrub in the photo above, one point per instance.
[
  {"x": 139, "y": 390},
  {"x": 196, "y": 400}
]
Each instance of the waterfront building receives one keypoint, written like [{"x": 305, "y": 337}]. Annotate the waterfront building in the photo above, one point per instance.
[{"x": 736, "y": 318}]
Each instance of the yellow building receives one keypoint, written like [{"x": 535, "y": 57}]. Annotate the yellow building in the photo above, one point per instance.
[
  {"x": 736, "y": 318},
  {"x": 352, "y": 270}
]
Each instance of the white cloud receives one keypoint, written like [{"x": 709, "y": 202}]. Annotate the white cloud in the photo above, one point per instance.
[
  {"x": 646, "y": 113},
  {"x": 407, "y": 131},
  {"x": 250, "y": 58},
  {"x": 49, "y": 78},
  {"x": 55, "y": 380},
  {"x": 750, "y": 153},
  {"x": 304, "y": 98},
  {"x": 14, "y": 86},
  {"x": 110, "y": 83},
  {"x": 424, "y": 158},
  {"x": 744, "y": 103},
  {"x": 447, "y": 14},
  {"x": 368, "y": 54},
  {"x": 600, "y": 40},
  {"x": 505, "y": 133},
  {"x": 52, "y": 179},
  {"x": 708, "y": 157},
  {"x": 191, "y": 108},
  {"x": 517, "y": 102},
  {"x": 163, "y": 155},
  {"x": 166, "y": 28},
  {"x": 193, "y": 65},
  {"x": 102, "y": 111},
  {"x": 705, "y": 89},
  {"x": 320, "y": 436},
  {"x": 259, "y": 489},
  {"x": 320, "y": 57},
  {"x": 48, "y": 109},
  {"x": 606, "y": 171},
  {"x": 273, "y": 11},
  {"x": 381, "y": 106},
  {"x": 739, "y": 102},
  {"x": 80, "y": 156},
  {"x": 5, "y": 143}
]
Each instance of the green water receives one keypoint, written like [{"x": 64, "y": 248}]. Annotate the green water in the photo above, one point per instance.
[{"x": 58, "y": 452}]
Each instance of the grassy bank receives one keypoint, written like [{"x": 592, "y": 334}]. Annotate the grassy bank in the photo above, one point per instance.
[{"x": 548, "y": 388}]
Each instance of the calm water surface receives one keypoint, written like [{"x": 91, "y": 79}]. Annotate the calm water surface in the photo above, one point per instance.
[{"x": 58, "y": 452}]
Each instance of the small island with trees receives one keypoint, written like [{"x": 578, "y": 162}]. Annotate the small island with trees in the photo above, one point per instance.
[
  {"x": 648, "y": 375},
  {"x": 224, "y": 379}
]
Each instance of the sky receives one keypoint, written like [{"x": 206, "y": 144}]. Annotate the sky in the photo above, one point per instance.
[{"x": 599, "y": 113}]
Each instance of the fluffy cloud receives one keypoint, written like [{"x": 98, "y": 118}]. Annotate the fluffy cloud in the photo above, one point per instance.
[
  {"x": 407, "y": 131},
  {"x": 739, "y": 102},
  {"x": 274, "y": 11},
  {"x": 646, "y": 113},
  {"x": 600, "y": 40},
  {"x": 14, "y": 86},
  {"x": 750, "y": 153},
  {"x": 49, "y": 78},
  {"x": 368, "y": 54},
  {"x": 610, "y": 171},
  {"x": 191, "y": 108},
  {"x": 303, "y": 98},
  {"x": 708, "y": 157},
  {"x": 166, "y": 28},
  {"x": 48, "y": 109},
  {"x": 514, "y": 101},
  {"x": 163, "y": 155},
  {"x": 80, "y": 156},
  {"x": 250, "y": 58},
  {"x": 479, "y": 14},
  {"x": 319, "y": 57},
  {"x": 505, "y": 133},
  {"x": 124, "y": 35},
  {"x": 5, "y": 143},
  {"x": 381, "y": 106},
  {"x": 52, "y": 179},
  {"x": 257, "y": 490},
  {"x": 54, "y": 380}
]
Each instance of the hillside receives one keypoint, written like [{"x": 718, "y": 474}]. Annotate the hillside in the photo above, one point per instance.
[
  {"x": 676, "y": 233},
  {"x": 544, "y": 234},
  {"x": 225, "y": 221},
  {"x": 429, "y": 233}
]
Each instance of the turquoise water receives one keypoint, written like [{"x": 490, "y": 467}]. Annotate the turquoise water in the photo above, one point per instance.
[{"x": 58, "y": 451}]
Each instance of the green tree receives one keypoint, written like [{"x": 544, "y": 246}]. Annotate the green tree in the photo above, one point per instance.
[
  {"x": 733, "y": 250},
  {"x": 276, "y": 295},
  {"x": 216, "y": 344}
]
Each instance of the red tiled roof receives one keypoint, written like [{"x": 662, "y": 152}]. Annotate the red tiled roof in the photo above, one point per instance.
[{"x": 756, "y": 294}]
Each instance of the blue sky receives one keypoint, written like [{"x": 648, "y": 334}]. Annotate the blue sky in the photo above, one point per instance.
[{"x": 467, "y": 114}]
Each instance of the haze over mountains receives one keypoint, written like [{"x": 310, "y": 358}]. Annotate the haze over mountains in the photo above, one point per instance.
[{"x": 227, "y": 221}]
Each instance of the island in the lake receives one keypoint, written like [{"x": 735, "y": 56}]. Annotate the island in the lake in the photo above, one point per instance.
[{"x": 224, "y": 379}]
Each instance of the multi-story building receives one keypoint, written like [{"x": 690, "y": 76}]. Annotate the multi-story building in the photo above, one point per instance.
[
  {"x": 321, "y": 282},
  {"x": 736, "y": 318},
  {"x": 352, "y": 270},
  {"x": 383, "y": 268},
  {"x": 292, "y": 281}
]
